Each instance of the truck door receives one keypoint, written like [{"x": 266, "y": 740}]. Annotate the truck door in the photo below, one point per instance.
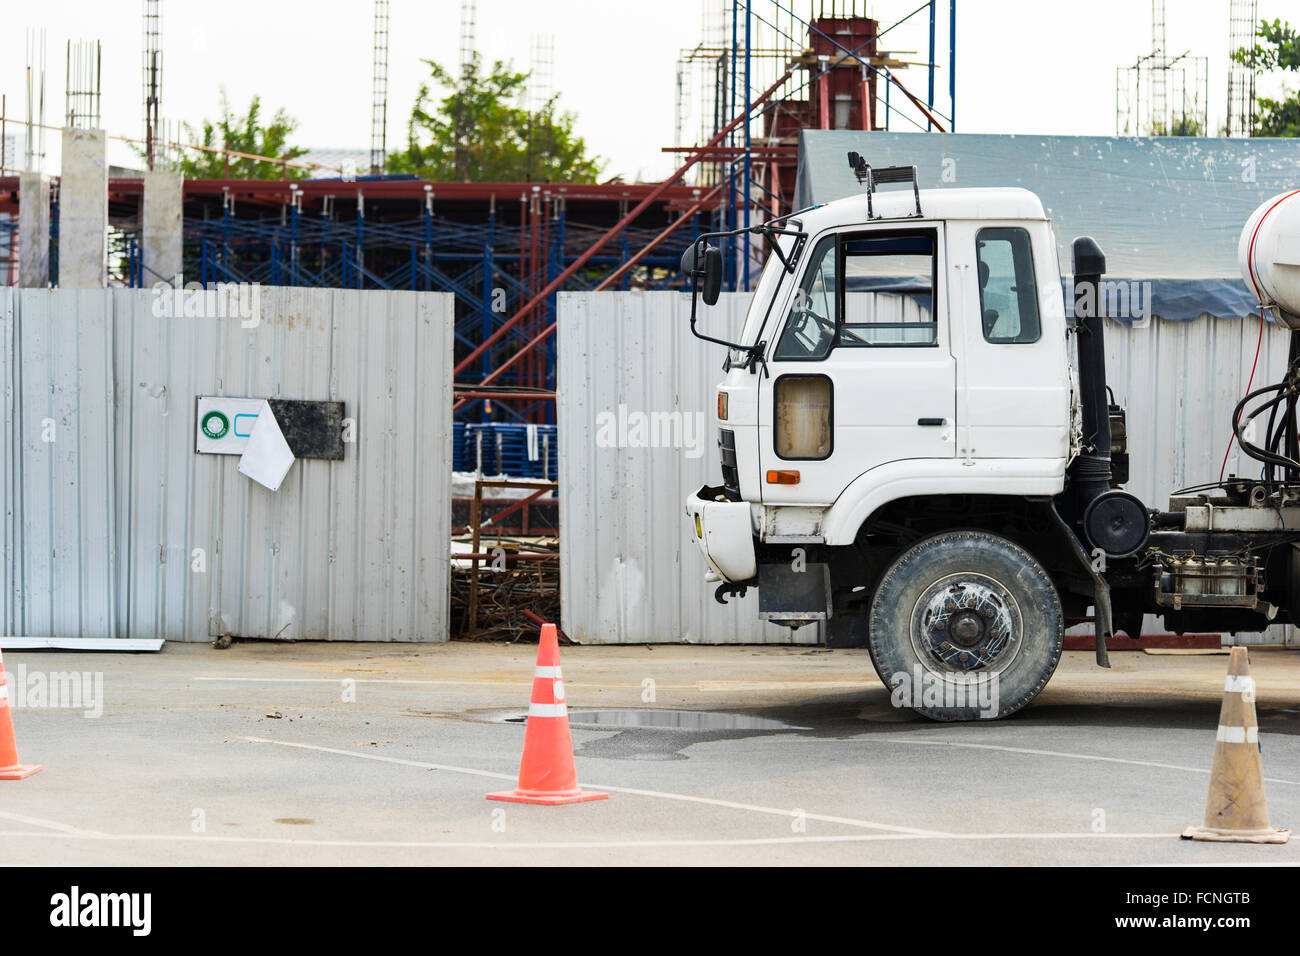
[
  {"x": 860, "y": 369},
  {"x": 1014, "y": 388}
]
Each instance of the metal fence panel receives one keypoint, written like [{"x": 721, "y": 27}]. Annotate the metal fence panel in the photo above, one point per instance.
[
  {"x": 124, "y": 531},
  {"x": 60, "y": 451},
  {"x": 629, "y": 571},
  {"x": 1180, "y": 382},
  {"x": 9, "y": 473}
]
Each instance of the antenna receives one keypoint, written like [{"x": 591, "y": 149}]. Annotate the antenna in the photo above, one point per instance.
[
  {"x": 683, "y": 97},
  {"x": 152, "y": 66},
  {"x": 379, "y": 92},
  {"x": 468, "y": 14},
  {"x": 1242, "y": 16},
  {"x": 1159, "y": 71},
  {"x": 541, "y": 79},
  {"x": 1160, "y": 94},
  {"x": 541, "y": 89}
]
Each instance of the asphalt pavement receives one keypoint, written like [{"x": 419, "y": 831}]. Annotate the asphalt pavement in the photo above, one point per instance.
[{"x": 279, "y": 753}]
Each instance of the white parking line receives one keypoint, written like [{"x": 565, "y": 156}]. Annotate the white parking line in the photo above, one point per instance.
[
  {"x": 486, "y": 681},
  {"x": 64, "y": 829},
  {"x": 710, "y": 686},
  {"x": 688, "y": 798},
  {"x": 896, "y": 739},
  {"x": 584, "y": 844}
]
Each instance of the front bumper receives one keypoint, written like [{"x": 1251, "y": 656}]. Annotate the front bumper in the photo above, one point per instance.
[{"x": 724, "y": 533}]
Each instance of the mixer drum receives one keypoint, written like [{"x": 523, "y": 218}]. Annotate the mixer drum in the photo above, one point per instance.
[{"x": 1269, "y": 255}]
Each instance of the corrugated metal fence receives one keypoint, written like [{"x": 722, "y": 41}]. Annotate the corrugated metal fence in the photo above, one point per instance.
[
  {"x": 114, "y": 527},
  {"x": 1180, "y": 382},
  {"x": 630, "y": 571}
]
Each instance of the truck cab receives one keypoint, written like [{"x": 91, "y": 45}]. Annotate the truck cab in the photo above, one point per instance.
[
  {"x": 908, "y": 447},
  {"x": 904, "y": 356}
]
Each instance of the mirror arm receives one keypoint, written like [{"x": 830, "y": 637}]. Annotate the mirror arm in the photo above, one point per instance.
[
  {"x": 776, "y": 251},
  {"x": 771, "y": 232},
  {"x": 695, "y": 294}
]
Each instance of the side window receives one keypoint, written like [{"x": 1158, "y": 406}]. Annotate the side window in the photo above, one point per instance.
[
  {"x": 810, "y": 327},
  {"x": 1008, "y": 292},
  {"x": 889, "y": 290}
]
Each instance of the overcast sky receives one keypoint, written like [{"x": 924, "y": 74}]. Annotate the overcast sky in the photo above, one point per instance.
[{"x": 1024, "y": 66}]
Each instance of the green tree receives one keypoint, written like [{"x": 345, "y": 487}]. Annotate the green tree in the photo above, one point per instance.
[
  {"x": 475, "y": 134},
  {"x": 243, "y": 134},
  {"x": 1279, "y": 51}
]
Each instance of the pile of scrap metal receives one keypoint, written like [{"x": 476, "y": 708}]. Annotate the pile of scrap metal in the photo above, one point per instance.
[{"x": 507, "y": 591}]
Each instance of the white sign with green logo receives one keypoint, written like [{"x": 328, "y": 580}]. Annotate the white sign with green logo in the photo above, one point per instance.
[{"x": 222, "y": 425}]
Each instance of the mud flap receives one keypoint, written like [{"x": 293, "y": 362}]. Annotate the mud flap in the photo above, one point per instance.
[
  {"x": 788, "y": 595},
  {"x": 1102, "y": 618}
]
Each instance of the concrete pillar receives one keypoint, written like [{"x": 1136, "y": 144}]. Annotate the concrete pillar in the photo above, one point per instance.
[
  {"x": 33, "y": 230},
  {"x": 163, "y": 199},
  {"x": 83, "y": 210}
]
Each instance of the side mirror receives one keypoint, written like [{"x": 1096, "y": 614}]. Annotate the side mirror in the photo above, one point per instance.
[{"x": 703, "y": 263}]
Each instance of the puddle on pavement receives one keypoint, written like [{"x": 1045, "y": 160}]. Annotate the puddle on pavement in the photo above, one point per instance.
[
  {"x": 886, "y": 713},
  {"x": 679, "y": 720},
  {"x": 653, "y": 734}
]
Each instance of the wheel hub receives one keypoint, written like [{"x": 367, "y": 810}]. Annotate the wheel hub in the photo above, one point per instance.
[
  {"x": 966, "y": 628},
  {"x": 967, "y": 623}
]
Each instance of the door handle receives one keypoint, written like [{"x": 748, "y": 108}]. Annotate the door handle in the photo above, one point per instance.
[{"x": 932, "y": 421}]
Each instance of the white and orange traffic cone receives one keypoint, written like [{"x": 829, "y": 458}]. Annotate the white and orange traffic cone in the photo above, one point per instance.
[
  {"x": 1237, "y": 811},
  {"x": 546, "y": 773},
  {"x": 10, "y": 768}
]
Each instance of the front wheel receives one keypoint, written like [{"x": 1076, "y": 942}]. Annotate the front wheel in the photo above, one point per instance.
[{"x": 964, "y": 625}]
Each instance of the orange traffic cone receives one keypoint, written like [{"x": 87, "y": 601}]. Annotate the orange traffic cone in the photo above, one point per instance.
[
  {"x": 10, "y": 768},
  {"x": 1236, "y": 811},
  {"x": 546, "y": 774}
]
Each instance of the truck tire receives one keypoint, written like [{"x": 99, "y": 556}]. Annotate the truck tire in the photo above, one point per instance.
[{"x": 964, "y": 625}]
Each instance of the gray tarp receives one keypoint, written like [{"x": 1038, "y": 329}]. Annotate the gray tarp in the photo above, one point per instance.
[{"x": 1167, "y": 210}]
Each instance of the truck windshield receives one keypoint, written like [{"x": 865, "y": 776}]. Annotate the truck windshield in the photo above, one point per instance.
[{"x": 764, "y": 294}]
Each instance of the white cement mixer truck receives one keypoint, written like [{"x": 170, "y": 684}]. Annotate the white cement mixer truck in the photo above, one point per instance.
[{"x": 914, "y": 439}]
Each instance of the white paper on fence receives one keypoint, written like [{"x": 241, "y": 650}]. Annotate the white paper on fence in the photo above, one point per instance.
[{"x": 267, "y": 456}]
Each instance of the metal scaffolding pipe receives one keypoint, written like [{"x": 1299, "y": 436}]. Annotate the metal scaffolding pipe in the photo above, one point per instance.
[
  {"x": 600, "y": 243},
  {"x": 650, "y": 246}
]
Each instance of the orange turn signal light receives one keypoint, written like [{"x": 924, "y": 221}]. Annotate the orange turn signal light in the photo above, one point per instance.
[{"x": 783, "y": 477}]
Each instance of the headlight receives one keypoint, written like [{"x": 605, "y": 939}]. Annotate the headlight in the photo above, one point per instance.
[{"x": 722, "y": 406}]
